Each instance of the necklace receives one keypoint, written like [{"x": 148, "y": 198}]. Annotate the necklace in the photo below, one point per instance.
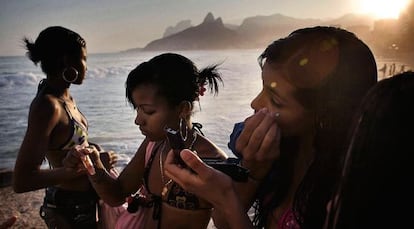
[
  {"x": 166, "y": 184},
  {"x": 72, "y": 102},
  {"x": 165, "y": 188}
]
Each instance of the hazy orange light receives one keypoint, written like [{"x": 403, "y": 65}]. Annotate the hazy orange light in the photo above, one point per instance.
[{"x": 382, "y": 9}]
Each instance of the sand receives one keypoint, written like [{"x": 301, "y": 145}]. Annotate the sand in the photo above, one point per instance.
[{"x": 24, "y": 206}]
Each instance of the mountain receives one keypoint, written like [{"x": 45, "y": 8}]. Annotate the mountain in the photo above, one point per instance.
[
  {"x": 352, "y": 20},
  {"x": 254, "y": 32},
  {"x": 210, "y": 34},
  {"x": 180, "y": 26},
  {"x": 261, "y": 30}
]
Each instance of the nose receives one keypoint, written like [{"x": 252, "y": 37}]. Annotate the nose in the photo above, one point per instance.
[
  {"x": 138, "y": 120},
  {"x": 257, "y": 103}
]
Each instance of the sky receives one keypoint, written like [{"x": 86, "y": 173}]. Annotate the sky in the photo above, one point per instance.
[{"x": 111, "y": 26}]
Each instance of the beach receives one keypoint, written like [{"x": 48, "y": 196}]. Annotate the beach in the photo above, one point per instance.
[{"x": 24, "y": 206}]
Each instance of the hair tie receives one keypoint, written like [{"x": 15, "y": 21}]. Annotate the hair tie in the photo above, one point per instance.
[{"x": 201, "y": 90}]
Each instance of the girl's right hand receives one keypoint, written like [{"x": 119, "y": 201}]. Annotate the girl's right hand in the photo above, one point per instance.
[{"x": 259, "y": 143}]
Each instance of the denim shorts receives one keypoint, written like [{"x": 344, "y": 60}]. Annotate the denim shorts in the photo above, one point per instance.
[{"x": 69, "y": 209}]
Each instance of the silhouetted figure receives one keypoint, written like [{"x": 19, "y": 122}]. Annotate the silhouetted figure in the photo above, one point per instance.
[
  {"x": 383, "y": 70},
  {"x": 392, "y": 69},
  {"x": 402, "y": 69}
]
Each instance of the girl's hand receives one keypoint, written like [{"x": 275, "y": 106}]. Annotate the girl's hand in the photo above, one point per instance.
[
  {"x": 259, "y": 143},
  {"x": 199, "y": 178},
  {"x": 108, "y": 158},
  {"x": 86, "y": 160},
  {"x": 82, "y": 159}
]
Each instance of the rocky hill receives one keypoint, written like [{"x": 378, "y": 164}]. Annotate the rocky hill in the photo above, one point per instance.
[
  {"x": 180, "y": 26},
  {"x": 254, "y": 32},
  {"x": 210, "y": 34}
]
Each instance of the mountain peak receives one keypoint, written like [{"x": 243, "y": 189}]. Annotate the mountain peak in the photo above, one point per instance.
[{"x": 209, "y": 18}]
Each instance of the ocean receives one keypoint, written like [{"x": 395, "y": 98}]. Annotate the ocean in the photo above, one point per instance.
[{"x": 101, "y": 98}]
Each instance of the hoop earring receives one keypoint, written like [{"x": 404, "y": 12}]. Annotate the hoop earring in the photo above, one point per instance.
[
  {"x": 181, "y": 130},
  {"x": 73, "y": 72}
]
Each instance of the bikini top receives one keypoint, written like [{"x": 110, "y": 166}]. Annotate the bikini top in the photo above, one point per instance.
[
  {"x": 79, "y": 132},
  {"x": 288, "y": 220}
]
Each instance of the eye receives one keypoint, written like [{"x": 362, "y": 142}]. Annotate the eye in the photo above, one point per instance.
[
  {"x": 275, "y": 102},
  {"x": 149, "y": 112},
  {"x": 274, "y": 99},
  {"x": 146, "y": 111}
]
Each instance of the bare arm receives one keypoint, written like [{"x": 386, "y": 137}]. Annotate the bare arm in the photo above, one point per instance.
[
  {"x": 113, "y": 190},
  {"x": 28, "y": 176},
  {"x": 259, "y": 145}
]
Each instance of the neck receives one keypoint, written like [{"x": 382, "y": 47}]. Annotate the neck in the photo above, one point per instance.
[{"x": 57, "y": 88}]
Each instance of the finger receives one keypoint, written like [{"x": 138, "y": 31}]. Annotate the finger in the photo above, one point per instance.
[
  {"x": 250, "y": 124},
  {"x": 193, "y": 162},
  {"x": 263, "y": 137},
  {"x": 93, "y": 153},
  {"x": 182, "y": 176},
  {"x": 9, "y": 222},
  {"x": 256, "y": 129},
  {"x": 270, "y": 148},
  {"x": 114, "y": 156}
]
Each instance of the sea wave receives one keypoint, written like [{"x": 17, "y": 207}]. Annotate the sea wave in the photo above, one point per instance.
[
  {"x": 9, "y": 79},
  {"x": 15, "y": 79}
]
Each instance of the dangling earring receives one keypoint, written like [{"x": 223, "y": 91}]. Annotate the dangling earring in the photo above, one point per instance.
[
  {"x": 72, "y": 72},
  {"x": 181, "y": 130}
]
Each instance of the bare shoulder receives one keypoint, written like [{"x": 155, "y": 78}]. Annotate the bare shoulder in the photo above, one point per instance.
[
  {"x": 207, "y": 149},
  {"x": 45, "y": 105}
]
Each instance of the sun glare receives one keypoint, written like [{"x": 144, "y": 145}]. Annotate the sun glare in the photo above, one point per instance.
[{"x": 383, "y": 9}]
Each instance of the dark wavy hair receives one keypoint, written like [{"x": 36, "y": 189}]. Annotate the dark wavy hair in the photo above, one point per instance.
[
  {"x": 176, "y": 77},
  {"x": 52, "y": 44},
  {"x": 374, "y": 185},
  {"x": 332, "y": 70}
]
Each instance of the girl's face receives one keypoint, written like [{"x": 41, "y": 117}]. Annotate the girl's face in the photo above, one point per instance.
[
  {"x": 277, "y": 95},
  {"x": 153, "y": 112},
  {"x": 80, "y": 66}
]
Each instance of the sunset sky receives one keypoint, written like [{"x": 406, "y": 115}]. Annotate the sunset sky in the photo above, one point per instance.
[{"x": 109, "y": 25}]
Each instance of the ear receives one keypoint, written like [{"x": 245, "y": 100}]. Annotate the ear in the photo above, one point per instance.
[{"x": 185, "y": 109}]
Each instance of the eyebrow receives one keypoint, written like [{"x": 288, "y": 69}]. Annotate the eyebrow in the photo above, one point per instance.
[{"x": 144, "y": 105}]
